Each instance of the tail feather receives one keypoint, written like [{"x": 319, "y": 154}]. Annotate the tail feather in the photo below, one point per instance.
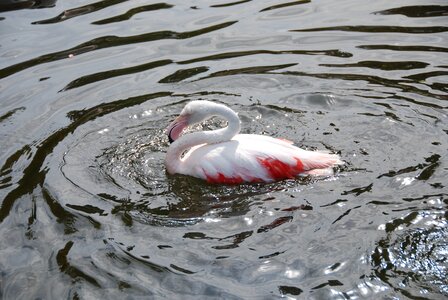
[
  {"x": 320, "y": 172},
  {"x": 321, "y": 160}
]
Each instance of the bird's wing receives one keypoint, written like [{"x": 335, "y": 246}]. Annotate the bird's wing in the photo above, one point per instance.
[
  {"x": 252, "y": 158},
  {"x": 283, "y": 150}
]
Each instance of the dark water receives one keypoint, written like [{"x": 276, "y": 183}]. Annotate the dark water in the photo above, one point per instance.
[{"x": 88, "y": 212}]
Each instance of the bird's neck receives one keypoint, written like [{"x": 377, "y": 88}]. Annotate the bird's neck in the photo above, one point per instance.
[{"x": 173, "y": 159}]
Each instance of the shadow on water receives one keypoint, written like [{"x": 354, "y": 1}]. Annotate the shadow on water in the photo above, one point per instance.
[
  {"x": 407, "y": 48},
  {"x": 287, "y": 4},
  {"x": 379, "y": 29},
  {"x": 417, "y": 11},
  {"x": 230, "y": 4},
  {"x": 114, "y": 73},
  {"x": 9, "y": 5},
  {"x": 382, "y": 65},
  {"x": 79, "y": 11},
  {"x": 130, "y": 13}
]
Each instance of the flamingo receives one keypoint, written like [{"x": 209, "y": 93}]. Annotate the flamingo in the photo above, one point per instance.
[{"x": 224, "y": 156}]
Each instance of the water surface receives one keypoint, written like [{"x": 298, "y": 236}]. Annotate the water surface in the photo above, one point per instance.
[{"x": 87, "y": 89}]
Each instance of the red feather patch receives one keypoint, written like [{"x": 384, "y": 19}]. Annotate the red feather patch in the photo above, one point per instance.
[
  {"x": 280, "y": 170},
  {"x": 221, "y": 178}
]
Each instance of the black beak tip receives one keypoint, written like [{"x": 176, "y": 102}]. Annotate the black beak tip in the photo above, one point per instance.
[{"x": 170, "y": 139}]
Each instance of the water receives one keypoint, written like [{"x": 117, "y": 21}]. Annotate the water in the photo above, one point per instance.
[{"x": 88, "y": 212}]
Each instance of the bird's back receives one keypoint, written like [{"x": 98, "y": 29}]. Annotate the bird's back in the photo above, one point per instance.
[{"x": 253, "y": 158}]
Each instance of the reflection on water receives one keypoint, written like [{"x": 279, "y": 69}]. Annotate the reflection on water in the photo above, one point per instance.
[
  {"x": 415, "y": 257},
  {"x": 87, "y": 210}
]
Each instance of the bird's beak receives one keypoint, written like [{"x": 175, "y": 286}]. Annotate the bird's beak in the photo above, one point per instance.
[{"x": 174, "y": 130}]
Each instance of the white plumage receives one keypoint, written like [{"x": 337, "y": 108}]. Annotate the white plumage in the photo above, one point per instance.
[{"x": 224, "y": 156}]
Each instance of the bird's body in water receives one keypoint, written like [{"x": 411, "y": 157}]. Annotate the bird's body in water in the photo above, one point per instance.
[{"x": 225, "y": 156}]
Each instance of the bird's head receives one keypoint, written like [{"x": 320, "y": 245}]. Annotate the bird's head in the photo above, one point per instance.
[{"x": 193, "y": 113}]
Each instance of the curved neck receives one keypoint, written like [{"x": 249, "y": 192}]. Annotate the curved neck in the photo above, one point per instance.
[{"x": 185, "y": 142}]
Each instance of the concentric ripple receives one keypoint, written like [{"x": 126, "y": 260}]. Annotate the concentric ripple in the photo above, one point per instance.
[
  {"x": 414, "y": 255},
  {"x": 122, "y": 163}
]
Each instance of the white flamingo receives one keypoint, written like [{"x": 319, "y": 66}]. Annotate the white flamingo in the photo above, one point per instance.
[{"x": 224, "y": 156}]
